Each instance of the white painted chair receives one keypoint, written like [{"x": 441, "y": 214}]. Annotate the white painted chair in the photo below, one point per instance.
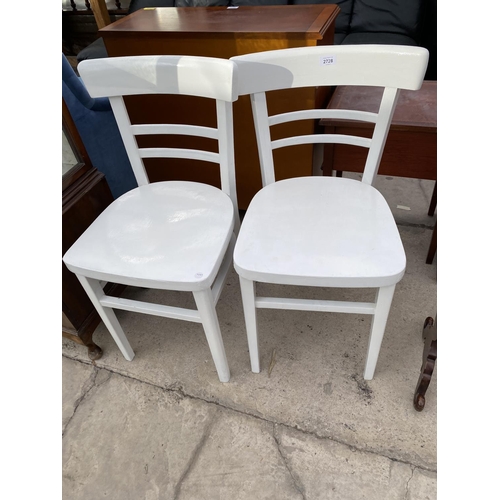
[
  {"x": 165, "y": 235},
  {"x": 323, "y": 231}
]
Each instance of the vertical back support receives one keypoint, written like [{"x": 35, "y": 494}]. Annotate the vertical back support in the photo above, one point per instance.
[
  {"x": 129, "y": 140},
  {"x": 380, "y": 132}
]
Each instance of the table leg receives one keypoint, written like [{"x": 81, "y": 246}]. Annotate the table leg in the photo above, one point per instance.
[
  {"x": 432, "y": 247},
  {"x": 432, "y": 206},
  {"x": 94, "y": 351}
]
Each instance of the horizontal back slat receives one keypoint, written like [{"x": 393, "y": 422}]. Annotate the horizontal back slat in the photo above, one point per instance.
[
  {"x": 193, "y": 130},
  {"x": 315, "y": 114},
  {"x": 352, "y": 140},
  {"x": 190, "y": 154}
]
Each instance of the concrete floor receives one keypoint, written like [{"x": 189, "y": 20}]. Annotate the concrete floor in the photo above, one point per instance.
[{"x": 164, "y": 427}]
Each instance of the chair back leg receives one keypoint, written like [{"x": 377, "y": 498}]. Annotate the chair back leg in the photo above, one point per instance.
[
  {"x": 206, "y": 306},
  {"x": 96, "y": 293},
  {"x": 249, "y": 310},
  {"x": 383, "y": 306}
]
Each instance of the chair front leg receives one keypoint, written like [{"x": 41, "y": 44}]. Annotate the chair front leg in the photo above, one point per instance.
[
  {"x": 206, "y": 306},
  {"x": 248, "y": 297},
  {"x": 379, "y": 321},
  {"x": 95, "y": 292}
]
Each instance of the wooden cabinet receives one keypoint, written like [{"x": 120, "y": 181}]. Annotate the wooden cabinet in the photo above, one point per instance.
[{"x": 85, "y": 194}]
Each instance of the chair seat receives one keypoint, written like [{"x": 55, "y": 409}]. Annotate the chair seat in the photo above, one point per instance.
[
  {"x": 320, "y": 231},
  {"x": 169, "y": 235}
]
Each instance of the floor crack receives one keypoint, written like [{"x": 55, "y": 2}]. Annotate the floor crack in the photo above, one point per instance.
[
  {"x": 296, "y": 481},
  {"x": 176, "y": 389},
  {"x": 408, "y": 482},
  {"x": 194, "y": 456},
  {"x": 89, "y": 384}
]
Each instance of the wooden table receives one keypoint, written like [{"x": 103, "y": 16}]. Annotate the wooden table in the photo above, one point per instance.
[
  {"x": 223, "y": 32},
  {"x": 411, "y": 147}
]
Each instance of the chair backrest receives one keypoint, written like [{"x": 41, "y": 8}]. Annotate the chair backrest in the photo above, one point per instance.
[
  {"x": 208, "y": 77},
  {"x": 391, "y": 67}
]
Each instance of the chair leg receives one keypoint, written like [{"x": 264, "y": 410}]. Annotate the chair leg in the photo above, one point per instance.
[
  {"x": 206, "y": 306},
  {"x": 248, "y": 297},
  {"x": 379, "y": 321},
  {"x": 95, "y": 293}
]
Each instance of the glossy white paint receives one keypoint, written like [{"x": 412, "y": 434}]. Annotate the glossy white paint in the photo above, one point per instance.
[
  {"x": 96, "y": 294},
  {"x": 169, "y": 235},
  {"x": 379, "y": 321},
  {"x": 152, "y": 309},
  {"x": 400, "y": 66},
  {"x": 184, "y": 75},
  {"x": 318, "y": 231}
]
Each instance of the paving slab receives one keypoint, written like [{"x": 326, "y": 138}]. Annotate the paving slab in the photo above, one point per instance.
[
  {"x": 131, "y": 440},
  {"x": 328, "y": 470},
  {"x": 240, "y": 460}
]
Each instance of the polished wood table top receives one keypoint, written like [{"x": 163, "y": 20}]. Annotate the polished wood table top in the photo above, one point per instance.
[{"x": 307, "y": 21}]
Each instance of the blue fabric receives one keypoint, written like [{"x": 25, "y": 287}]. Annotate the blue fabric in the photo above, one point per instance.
[
  {"x": 76, "y": 86},
  {"x": 97, "y": 127}
]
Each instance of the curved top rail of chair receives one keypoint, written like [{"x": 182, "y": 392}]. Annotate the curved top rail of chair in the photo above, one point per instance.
[
  {"x": 134, "y": 75},
  {"x": 379, "y": 65}
]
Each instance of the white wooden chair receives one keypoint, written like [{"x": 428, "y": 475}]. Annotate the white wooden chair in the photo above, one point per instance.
[
  {"x": 323, "y": 231},
  {"x": 165, "y": 235}
]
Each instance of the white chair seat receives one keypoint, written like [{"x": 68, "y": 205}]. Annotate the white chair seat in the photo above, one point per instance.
[
  {"x": 320, "y": 231},
  {"x": 168, "y": 235}
]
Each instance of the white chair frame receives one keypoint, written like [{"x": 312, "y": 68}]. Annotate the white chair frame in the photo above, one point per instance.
[
  {"x": 392, "y": 67},
  {"x": 181, "y": 75}
]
